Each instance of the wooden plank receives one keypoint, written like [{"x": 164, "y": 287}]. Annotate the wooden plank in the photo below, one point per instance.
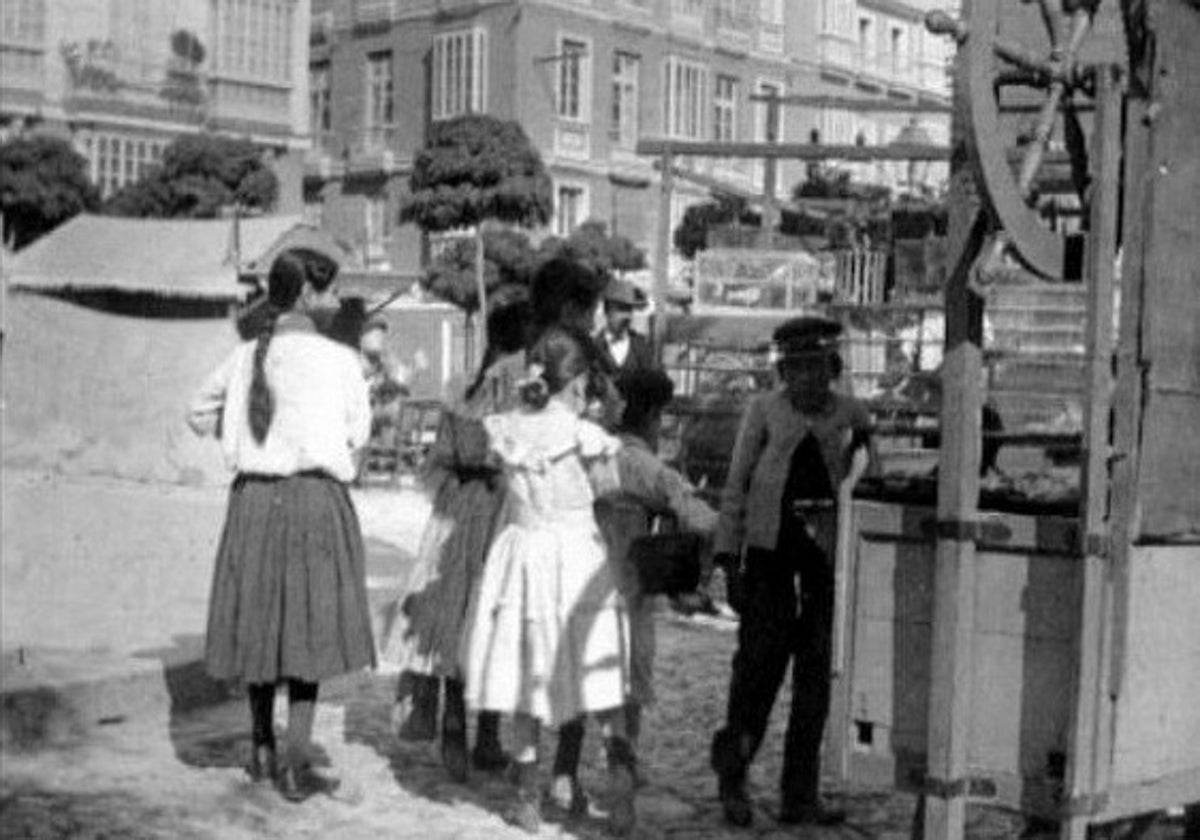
[
  {"x": 795, "y": 151},
  {"x": 1088, "y": 740},
  {"x": 950, "y": 688},
  {"x": 856, "y": 103},
  {"x": 1169, "y": 471}
]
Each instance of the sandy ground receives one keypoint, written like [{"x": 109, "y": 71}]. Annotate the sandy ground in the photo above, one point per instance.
[{"x": 101, "y": 564}]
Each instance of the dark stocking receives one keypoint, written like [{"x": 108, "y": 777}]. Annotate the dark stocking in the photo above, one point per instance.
[
  {"x": 262, "y": 714},
  {"x": 302, "y": 709}
]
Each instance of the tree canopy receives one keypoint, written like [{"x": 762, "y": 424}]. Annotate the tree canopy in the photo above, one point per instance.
[
  {"x": 200, "y": 174},
  {"x": 511, "y": 260},
  {"x": 474, "y": 168},
  {"x": 43, "y": 183}
]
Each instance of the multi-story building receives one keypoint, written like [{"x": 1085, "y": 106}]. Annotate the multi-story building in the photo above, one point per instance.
[
  {"x": 122, "y": 78},
  {"x": 587, "y": 79}
]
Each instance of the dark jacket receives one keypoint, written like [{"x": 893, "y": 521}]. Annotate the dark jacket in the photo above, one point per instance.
[{"x": 640, "y": 356}]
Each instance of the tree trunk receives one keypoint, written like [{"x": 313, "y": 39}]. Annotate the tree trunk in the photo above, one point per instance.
[{"x": 481, "y": 289}]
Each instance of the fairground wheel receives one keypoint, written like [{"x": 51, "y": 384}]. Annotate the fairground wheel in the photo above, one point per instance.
[{"x": 1029, "y": 99}]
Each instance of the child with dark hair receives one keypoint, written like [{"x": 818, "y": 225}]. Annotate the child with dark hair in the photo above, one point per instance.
[
  {"x": 289, "y": 599},
  {"x": 424, "y": 636},
  {"x": 647, "y": 489},
  {"x": 547, "y": 636}
]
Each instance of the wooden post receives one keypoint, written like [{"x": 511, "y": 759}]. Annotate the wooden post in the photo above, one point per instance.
[
  {"x": 1089, "y": 740},
  {"x": 770, "y": 172},
  {"x": 662, "y": 254},
  {"x": 951, "y": 679},
  {"x": 481, "y": 290}
]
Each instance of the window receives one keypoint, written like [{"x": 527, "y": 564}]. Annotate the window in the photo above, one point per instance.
[
  {"x": 380, "y": 99},
  {"x": 688, "y": 8},
  {"x": 896, "y": 55},
  {"x": 866, "y": 51},
  {"x": 626, "y": 68},
  {"x": 319, "y": 96},
  {"x": 763, "y": 130},
  {"x": 254, "y": 38},
  {"x": 771, "y": 11},
  {"x": 376, "y": 227},
  {"x": 686, "y": 95},
  {"x": 459, "y": 73},
  {"x": 570, "y": 207},
  {"x": 22, "y": 21},
  {"x": 725, "y": 109},
  {"x": 573, "y": 80},
  {"x": 117, "y": 160}
]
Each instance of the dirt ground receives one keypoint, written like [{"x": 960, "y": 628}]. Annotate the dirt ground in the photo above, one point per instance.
[{"x": 96, "y": 562}]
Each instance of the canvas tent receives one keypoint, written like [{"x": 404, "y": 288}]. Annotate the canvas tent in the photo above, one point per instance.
[{"x": 110, "y": 325}]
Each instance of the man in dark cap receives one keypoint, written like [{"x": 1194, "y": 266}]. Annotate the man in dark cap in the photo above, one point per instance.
[
  {"x": 776, "y": 539},
  {"x": 624, "y": 349}
]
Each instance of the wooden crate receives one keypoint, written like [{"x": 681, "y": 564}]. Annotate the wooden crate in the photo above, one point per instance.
[{"x": 1028, "y": 621}]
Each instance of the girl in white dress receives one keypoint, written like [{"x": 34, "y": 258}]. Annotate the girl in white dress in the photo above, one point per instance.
[{"x": 547, "y": 636}]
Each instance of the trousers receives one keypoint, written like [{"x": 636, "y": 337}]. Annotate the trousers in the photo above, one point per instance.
[{"x": 787, "y": 618}]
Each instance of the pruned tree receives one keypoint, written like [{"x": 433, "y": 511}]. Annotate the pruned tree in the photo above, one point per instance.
[
  {"x": 509, "y": 263},
  {"x": 472, "y": 169},
  {"x": 591, "y": 244},
  {"x": 43, "y": 183},
  {"x": 199, "y": 175}
]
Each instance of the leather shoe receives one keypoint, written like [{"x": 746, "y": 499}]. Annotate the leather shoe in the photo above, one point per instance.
[
  {"x": 490, "y": 759},
  {"x": 735, "y": 804},
  {"x": 454, "y": 754},
  {"x": 297, "y": 784},
  {"x": 262, "y": 763},
  {"x": 810, "y": 813}
]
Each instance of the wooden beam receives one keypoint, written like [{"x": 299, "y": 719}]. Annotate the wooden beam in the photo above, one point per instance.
[
  {"x": 795, "y": 151},
  {"x": 1088, "y": 740},
  {"x": 662, "y": 254},
  {"x": 951, "y": 678},
  {"x": 709, "y": 182},
  {"x": 856, "y": 103}
]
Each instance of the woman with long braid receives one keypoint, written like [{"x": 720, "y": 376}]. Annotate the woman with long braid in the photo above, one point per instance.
[{"x": 289, "y": 600}]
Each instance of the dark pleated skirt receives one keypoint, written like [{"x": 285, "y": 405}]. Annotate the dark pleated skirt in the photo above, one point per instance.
[{"x": 289, "y": 595}]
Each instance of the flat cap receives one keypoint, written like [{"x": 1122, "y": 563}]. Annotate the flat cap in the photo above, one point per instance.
[
  {"x": 806, "y": 334},
  {"x": 625, "y": 293}
]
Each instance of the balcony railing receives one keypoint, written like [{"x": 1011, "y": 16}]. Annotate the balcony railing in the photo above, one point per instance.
[{"x": 376, "y": 147}]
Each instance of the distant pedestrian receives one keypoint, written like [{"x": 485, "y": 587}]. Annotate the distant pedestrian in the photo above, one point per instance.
[
  {"x": 647, "y": 489},
  {"x": 289, "y": 600},
  {"x": 466, "y": 491},
  {"x": 548, "y": 635},
  {"x": 777, "y": 540},
  {"x": 623, "y": 348}
]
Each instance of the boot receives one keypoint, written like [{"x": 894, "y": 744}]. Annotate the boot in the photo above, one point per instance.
[
  {"x": 526, "y": 813},
  {"x": 566, "y": 793},
  {"x": 622, "y": 765},
  {"x": 417, "y": 706},
  {"x": 454, "y": 732},
  {"x": 488, "y": 756},
  {"x": 729, "y": 763}
]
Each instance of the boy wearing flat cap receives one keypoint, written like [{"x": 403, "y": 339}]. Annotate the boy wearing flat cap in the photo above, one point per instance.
[
  {"x": 622, "y": 348},
  {"x": 776, "y": 538}
]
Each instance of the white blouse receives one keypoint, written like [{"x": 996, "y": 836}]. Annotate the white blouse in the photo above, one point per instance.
[{"x": 322, "y": 410}]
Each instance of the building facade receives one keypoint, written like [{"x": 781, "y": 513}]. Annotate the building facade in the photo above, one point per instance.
[
  {"x": 587, "y": 79},
  {"x": 122, "y": 78}
]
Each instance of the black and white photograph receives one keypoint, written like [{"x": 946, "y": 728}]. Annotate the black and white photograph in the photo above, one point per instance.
[{"x": 583, "y": 419}]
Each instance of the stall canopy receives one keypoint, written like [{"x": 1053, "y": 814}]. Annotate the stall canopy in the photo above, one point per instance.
[
  {"x": 198, "y": 259},
  {"x": 111, "y": 324}
]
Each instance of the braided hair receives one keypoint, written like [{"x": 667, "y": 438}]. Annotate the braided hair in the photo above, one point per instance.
[
  {"x": 285, "y": 282},
  {"x": 559, "y": 356}
]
